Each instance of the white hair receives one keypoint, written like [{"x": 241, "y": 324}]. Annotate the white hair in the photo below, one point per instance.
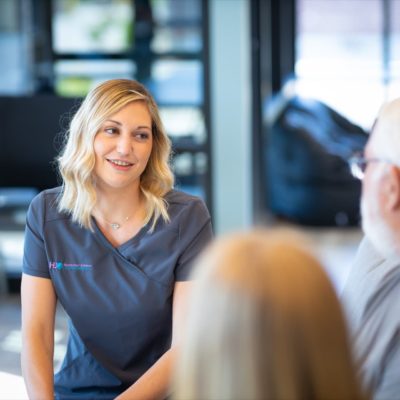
[{"x": 386, "y": 132}]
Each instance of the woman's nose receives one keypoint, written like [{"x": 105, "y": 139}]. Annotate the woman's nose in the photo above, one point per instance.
[{"x": 124, "y": 144}]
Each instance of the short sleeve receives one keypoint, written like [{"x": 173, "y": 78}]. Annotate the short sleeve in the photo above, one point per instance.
[
  {"x": 195, "y": 232},
  {"x": 35, "y": 260}
]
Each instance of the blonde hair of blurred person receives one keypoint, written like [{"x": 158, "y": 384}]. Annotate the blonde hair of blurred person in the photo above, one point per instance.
[
  {"x": 380, "y": 202},
  {"x": 77, "y": 161},
  {"x": 264, "y": 322}
]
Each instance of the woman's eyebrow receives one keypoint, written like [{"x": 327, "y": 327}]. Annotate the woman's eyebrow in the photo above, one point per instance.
[
  {"x": 120, "y": 124},
  {"x": 115, "y": 122},
  {"x": 143, "y": 127}
]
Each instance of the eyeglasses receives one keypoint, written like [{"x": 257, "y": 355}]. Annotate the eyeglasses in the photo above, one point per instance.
[{"x": 358, "y": 164}]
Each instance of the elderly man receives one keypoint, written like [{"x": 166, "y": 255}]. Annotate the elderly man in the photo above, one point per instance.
[{"x": 372, "y": 292}]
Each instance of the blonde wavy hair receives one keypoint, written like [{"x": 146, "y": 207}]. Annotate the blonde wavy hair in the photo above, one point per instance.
[
  {"x": 77, "y": 159},
  {"x": 263, "y": 323}
]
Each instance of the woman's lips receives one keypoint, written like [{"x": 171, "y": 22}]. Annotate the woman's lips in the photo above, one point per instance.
[{"x": 120, "y": 164}]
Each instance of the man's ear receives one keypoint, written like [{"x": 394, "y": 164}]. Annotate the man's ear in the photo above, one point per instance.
[{"x": 393, "y": 188}]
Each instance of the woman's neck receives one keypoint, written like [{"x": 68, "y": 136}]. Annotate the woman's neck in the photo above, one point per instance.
[{"x": 118, "y": 204}]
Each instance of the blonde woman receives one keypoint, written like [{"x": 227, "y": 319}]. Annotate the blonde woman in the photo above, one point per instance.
[
  {"x": 114, "y": 245},
  {"x": 264, "y": 323}
]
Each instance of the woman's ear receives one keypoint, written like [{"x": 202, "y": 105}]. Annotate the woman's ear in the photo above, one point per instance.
[{"x": 392, "y": 188}]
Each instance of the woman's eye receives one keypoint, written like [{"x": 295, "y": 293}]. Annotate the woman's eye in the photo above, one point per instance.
[
  {"x": 110, "y": 131},
  {"x": 142, "y": 135}
]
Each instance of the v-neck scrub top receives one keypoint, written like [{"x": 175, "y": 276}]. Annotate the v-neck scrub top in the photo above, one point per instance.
[{"x": 118, "y": 299}]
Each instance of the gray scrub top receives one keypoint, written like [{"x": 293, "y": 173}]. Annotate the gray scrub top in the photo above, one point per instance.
[{"x": 119, "y": 300}]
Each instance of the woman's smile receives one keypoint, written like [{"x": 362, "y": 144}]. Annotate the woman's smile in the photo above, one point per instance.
[{"x": 120, "y": 165}]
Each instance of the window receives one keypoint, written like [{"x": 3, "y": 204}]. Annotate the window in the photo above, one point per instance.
[
  {"x": 347, "y": 53},
  {"x": 15, "y": 68}
]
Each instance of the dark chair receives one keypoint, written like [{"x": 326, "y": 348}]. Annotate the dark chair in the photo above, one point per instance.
[{"x": 307, "y": 177}]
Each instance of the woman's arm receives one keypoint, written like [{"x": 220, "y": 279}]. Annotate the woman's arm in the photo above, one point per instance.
[
  {"x": 38, "y": 301},
  {"x": 156, "y": 382}
]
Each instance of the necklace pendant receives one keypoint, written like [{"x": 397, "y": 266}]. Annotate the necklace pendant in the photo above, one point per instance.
[{"x": 115, "y": 226}]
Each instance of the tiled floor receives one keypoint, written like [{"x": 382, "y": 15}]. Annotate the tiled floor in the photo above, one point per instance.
[{"x": 336, "y": 248}]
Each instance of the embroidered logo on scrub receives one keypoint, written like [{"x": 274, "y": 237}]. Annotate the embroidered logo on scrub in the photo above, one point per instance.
[{"x": 64, "y": 266}]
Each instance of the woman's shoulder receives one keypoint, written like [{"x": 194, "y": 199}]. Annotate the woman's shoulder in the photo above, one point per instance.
[
  {"x": 47, "y": 196},
  {"x": 45, "y": 203},
  {"x": 177, "y": 198},
  {"x": 183, "y": 203}
]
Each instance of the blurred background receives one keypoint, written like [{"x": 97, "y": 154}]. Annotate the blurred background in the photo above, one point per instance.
[{"x": 264, "y": 101}]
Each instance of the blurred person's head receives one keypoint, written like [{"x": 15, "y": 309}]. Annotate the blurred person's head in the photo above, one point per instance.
[
  {"x": 264, "y": 322},
  {"x": 380, "y": 203}
]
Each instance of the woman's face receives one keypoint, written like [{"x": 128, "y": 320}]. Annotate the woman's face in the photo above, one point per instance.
[{"x": 123, "y": 146}]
